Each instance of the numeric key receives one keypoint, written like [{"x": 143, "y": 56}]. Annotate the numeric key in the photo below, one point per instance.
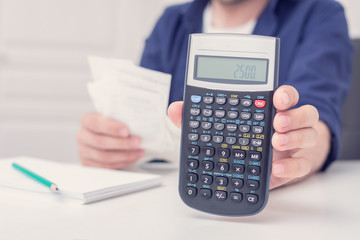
[
  {"x": 192, "y": 164},
  {"x": 223, "y": 152},
  {"x": 209, "y": 151},
  {"x": 206, "y": 179},
  {"x": 191, "y": 177},
  {"x": 194, "y": 150},
  {"x": 222, "y": 167},
  {"x": 207, "y": 165}
]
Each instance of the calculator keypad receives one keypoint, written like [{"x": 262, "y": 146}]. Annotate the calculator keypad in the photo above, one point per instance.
[{"x": 227, "y": 158}]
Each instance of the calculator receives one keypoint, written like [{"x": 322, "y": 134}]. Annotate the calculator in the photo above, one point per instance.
[{"x": 226, "y": 152}]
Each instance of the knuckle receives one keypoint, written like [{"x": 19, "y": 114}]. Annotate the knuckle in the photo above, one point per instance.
[
  {"x": 304, "y": 166},
  {"x": 82, "y": 151},
  {"x": 312, "y": 112},
  {"x": 97, "y": 141},
  {"x": 103, "y": 156}
]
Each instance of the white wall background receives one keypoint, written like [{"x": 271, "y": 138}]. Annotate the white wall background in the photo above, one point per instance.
[{"x": 43, "y": 64}]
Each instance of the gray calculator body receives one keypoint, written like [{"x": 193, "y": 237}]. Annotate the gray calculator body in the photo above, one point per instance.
[{"x": 226, "y": 153}]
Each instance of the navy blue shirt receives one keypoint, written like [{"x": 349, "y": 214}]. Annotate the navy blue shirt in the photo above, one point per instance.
[{"x": 315, "y": 55}]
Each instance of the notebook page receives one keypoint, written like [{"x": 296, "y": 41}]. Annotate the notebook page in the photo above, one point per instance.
[{"x": 70, "y": 178}]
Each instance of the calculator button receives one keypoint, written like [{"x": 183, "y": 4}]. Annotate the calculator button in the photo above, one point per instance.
[
  {"x": 237, "y": 182},
  {"x": 218, "y": 139},
  {"x": 207, "y": 165},
  {"x": 222, "y": 181},
  {"x": 220, "y": 100},
  {"x": 195, "y": 98},
  {"x": 209, "y": 151},
  {"x": 244, "y": 128},
  {"x": 223, "y": 152},
  {"x": 221, "y": 195},
  {"x": 252, "y": 184},
  {"x": 244, "y": 141},
  {"x": 230, "y": 140},
  {"x": 257, "y": 129},
  {"x": 193, "y": 136},
  {"x": 259, "y": 103},
  {"x": 256, "y": 142},
  {"x": 251, "y": 198},
  {"x": 207, "y": 112},
  {"x": 253, "y": 170},
  {"x": 194, "y": 124},
  {"x": 222, "y": 167},
  {"x": 233, "y": 101},
  {"x": 259, "y": 116},
  {"x": 219, "y": 126},
  {"x": 205, "y": 138},
  {"x": 194, "y": 111},
  {"x": 232, "y": 114},
  {"x": 245, "y": 115},
  {"x": 208, "y": 100},
  {"x": 206, "y": 125},
  {"x": 191, "y": 191},
  {"x": 206, "y": 179},
  {"x": 219, "y": 113},
  {"x": 231, "y": 127},
  {"x": 236, "y": 197},
  {"x": 237, "y": 168},
  {"x": 192, "y": 164},
  {"x": 255, "y": 156},
  {"x": 194, "y": 150},
  {"x": 191, "y": 177},
  {"x": 205, "y": 193},
  {"x": 246, "y": 102},
  {"x": 239, "y": 154}
]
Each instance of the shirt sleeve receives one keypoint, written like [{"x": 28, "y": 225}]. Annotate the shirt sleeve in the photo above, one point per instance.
[{"x": 322, "y": 67}]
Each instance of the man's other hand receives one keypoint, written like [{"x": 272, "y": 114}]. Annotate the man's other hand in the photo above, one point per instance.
[{"x": 107, "y": 143}]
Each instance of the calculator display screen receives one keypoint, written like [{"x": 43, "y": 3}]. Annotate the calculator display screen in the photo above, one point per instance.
[{"x": 231, "y": 69}]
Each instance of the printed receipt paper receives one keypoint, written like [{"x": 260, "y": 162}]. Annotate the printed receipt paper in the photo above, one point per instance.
[{"x": 137, "y": 97}]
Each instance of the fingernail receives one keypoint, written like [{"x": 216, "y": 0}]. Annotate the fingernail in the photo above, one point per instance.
[
  {"x": 283, "y": 139},
  {"x": 285, "y": 98},
  {"x": 284, "y": 121},
  {"x": 123, "y": 132},
  {"x": 278, "y": 169},
  {"x": 135, "y": 142}
]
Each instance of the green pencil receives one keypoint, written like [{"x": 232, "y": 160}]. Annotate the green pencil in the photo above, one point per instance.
[{"x": 36, "y": 177}]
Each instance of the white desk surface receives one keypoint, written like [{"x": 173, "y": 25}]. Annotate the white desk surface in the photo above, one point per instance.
[{"x": 326, "y": 206}]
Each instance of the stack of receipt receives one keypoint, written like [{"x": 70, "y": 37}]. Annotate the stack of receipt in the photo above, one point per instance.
[{"x": 137, "y": 97}]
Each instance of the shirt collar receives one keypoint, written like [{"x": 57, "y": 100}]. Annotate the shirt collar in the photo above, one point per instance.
[{"x": 266, "y": 25}]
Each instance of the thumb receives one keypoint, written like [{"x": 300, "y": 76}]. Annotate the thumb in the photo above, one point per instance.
[{"x": 175, "y": 111}]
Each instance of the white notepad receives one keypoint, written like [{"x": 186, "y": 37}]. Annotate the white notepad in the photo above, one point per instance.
[{"x": 86, "y": 184}]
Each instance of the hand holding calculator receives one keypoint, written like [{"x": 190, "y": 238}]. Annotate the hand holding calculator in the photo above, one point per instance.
[{"x": 226, "y": 148}]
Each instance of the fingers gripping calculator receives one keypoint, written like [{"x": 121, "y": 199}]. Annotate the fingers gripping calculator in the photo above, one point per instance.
[{"x": 226, "y": 148}]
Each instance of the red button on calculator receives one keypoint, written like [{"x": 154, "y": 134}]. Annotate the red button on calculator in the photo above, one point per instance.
[{"x": 260, "y": 103}]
